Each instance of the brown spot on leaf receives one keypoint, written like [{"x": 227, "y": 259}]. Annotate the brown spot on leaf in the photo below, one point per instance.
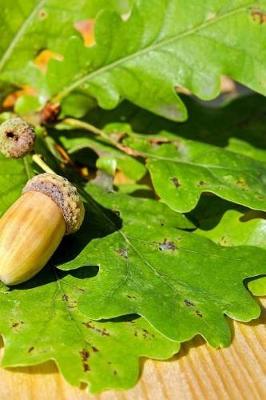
[
  {"x": 189, "y": 303},
  {"x": 167, "y": 245},
  {"x": 123, "y": 252},
  {"x": 30, "y": 349},
  {"x": 131, "y": 297},
  {"x": 94, "y": 349},
  {"x": 241, "y": 183},
  {"x": 260, "y": 197},
  {"x": 16, "y": 325},
  {"x": 43, "y": 14},
  {"x": 84, "y": 358},
  {"x": 258, "y": 16},
  {"x": 158, "y": 141},
  {"x": 223, "y": 241},
  {"x": 202, "y": 183},
  {"x": 147, "y": 334},
  {"x": 198, "y": 313},
  {"x": 90, "y": 325},
  {"x": 70, "y": 304},
  {"x": 176, "y": 182}
]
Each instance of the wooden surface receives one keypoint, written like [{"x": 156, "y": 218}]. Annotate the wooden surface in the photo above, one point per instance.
[{"x": 198, "y": 372}]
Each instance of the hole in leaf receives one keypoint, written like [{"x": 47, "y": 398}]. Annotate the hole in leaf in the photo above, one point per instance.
[
  {"x": 123, "y": 252},
  {"x": 167, "y": 245}
]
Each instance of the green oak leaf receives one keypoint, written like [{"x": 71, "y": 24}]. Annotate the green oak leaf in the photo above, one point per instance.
[
  {"x": 13, "y": 176},
  {"x": 35, "y": 26},
  {"x": 103, "y": 354},
  {"x": 182, "y": 283},
  {"x": 178, "y": 44},
  {"x": 181, "y": 170},
  {"x": 242, "y": 147},
  {"x": 40, "y": 321},
  {"x": 241, "y": 120},
  {"x": 236, "y": 229}
]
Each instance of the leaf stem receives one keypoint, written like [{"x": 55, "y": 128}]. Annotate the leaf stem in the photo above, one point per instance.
[
  {"x": 39, "y": 161},
  {"x": 75, "y": 123}
]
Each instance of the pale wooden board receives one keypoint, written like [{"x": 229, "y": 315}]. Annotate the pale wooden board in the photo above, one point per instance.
[{"x": 197, "y": 373}]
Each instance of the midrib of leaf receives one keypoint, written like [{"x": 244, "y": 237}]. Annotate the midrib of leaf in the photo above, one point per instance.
[
  {"x": 20, "y": 34},
  {"x": 79, "y": 82}
]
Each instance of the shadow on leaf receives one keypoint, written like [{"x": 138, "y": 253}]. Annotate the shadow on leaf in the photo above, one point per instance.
[{"x": 98, "y": 223}]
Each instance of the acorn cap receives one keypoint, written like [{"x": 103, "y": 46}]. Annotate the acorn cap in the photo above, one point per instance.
[
  {"x": 64, "y": 194},
  {"x": 17, "y": 138}
]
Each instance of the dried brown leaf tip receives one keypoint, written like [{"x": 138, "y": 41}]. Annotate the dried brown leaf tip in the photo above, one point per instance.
[{"x": 17, "y": 138}]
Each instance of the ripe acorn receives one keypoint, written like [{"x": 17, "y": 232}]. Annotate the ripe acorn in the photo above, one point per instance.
[
  {"x": 17, "y": 138},
  {"x": 33, "y": 227}
]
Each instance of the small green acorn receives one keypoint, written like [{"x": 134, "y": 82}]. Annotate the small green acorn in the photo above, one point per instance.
[
  {"x": 33, "y": 227},
  {"x": 17, "y": 138}
]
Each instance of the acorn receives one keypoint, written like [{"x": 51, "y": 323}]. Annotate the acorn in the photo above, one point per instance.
[
  {"x": 17, "y": 138},
  {"x": 33, "y": 227}
]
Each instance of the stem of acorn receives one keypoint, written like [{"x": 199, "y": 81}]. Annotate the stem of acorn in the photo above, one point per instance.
[{"x": 39, "y": 161}]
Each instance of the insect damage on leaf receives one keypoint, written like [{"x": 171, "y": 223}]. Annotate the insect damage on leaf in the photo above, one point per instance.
[
  {"x": 84, "y": 358},
  {"x": 86, "y": 29},
  {"x": 108, "y": 70},
  {"x": 181, "y": 174},
  {"x": 193, "y": 272},
  {"x": 167, "y": 245},
  {"x": 258, "y": 15},
  {"x": 93, "y": 349},
  {"x": 134, "y": 256}
]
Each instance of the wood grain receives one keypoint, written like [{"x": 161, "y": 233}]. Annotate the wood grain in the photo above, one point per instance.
[{"x": 197, "y": 373}]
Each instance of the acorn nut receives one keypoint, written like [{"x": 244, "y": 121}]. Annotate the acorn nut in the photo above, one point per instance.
[
  {"x": 17, "y": 138},
  {"x": 33, "y": 227}
]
